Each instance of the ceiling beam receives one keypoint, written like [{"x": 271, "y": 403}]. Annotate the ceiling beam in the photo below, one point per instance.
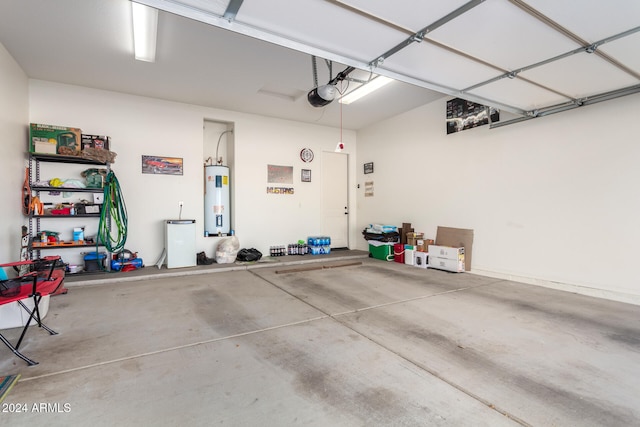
[
  {"x": 418, "y": 36},
  {"x": 584, "y": 49},
  {"x": 228, "y": 22},
  {"x": 559, "y": 108},
  {"x": 178, "y": 8},
  {"x": 341, "y": 4},
  {"x": 421, "y": 35},
  {"x": 232, "y": 10},
  {"x": 582, "y": 42}
]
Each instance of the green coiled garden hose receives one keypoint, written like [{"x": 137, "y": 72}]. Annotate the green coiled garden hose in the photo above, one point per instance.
[{"x": 112, "y": 230}]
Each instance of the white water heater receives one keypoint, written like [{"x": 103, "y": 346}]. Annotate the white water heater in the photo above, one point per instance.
[{"x": 217, "y": 211}]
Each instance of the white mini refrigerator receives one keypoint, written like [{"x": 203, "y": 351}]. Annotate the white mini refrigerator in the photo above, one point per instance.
[{"x": 180, "y": 242}]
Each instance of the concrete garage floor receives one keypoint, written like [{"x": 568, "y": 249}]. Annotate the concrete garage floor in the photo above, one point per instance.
[{"x": 373, "y": 344}]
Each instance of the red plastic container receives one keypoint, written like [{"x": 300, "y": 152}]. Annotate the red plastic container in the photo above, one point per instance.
[
  {"x": 63, "y": 211},
  {"x": 398, "y": 253}
]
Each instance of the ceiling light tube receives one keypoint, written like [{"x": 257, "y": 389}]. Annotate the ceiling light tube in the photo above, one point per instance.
[
  {"x": 145, "y": 31},
  {"x": 365, "y": 89}
]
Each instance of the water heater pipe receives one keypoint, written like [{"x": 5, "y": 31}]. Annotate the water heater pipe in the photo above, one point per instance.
[{"x": 219, "y": 160}]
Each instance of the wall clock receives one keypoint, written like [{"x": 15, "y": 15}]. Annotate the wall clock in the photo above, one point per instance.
[{"x": 306, "y": 155}]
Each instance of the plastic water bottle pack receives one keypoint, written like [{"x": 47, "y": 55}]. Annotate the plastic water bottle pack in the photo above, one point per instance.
[{"x": 319, "y": 245}]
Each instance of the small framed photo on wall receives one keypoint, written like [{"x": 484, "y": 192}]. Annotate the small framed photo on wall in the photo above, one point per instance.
[
  {"x": 368, "y": 167},
  {"x": 162, "y": 165},
  {"x": 305, "y": 175}
]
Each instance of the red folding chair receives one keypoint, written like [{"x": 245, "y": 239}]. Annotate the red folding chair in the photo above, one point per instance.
[{"x": 38, "y": 283}]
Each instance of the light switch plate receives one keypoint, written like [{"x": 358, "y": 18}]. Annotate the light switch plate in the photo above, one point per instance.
[{"x": 98, "y": 198}]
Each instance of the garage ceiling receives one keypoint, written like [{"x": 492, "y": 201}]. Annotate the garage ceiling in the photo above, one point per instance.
[{"x": 530, "y": 58}]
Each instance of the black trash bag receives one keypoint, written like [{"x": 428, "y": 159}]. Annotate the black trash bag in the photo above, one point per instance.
[{"x": 249, "y": 254}]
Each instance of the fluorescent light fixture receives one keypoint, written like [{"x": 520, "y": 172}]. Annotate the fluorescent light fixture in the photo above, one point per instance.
[
  {"x": 145, "y": 31},
  {"x": 365, "y": 89}
]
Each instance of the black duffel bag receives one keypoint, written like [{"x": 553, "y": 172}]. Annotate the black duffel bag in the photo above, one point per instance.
[
  {"x": 248, "y": 255},
  {"x": 392, "y": 236}
]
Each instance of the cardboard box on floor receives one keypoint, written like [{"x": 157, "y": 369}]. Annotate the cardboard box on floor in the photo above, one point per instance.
[
  {"x": 446, "y": 258},
  {"x": 413, "y": 238},
  {"x": 406, "y": 228},
  {"x": 457, "y": 238}
]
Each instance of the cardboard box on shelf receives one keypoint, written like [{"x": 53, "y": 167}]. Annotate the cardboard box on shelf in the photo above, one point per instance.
[
  {"x": 43, "y": 139},
  {"x": 95, "y": 141},
  {"x": 88, "y": 208},
  {"x": 43, "y": 145}
]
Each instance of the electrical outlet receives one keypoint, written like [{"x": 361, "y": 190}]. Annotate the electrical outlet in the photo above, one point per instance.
[
  {"x": 180, "y": 203},
  {"x": 98, "y": 198}
]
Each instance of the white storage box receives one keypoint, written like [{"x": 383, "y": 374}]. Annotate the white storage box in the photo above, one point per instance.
[
  {"x": 409, "y": 254},
  {"x": 421, "y": 259},
  {"x": 446, "y": 252},
  {"x": 452, "y": 265},
  {"x": 446, "y": 258}
]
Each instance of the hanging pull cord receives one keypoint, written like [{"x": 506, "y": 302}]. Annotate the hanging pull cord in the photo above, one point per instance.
[{"x": 112, "y": 230}]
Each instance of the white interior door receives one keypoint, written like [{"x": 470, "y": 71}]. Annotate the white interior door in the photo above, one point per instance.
[{"x": 335, "y": 207}]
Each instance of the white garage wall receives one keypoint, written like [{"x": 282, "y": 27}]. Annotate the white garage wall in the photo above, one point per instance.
[
  {"x": 143, "y": 126},
  {"x": 553, "y": 201},
  {"x": 14, "y": 112}
]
